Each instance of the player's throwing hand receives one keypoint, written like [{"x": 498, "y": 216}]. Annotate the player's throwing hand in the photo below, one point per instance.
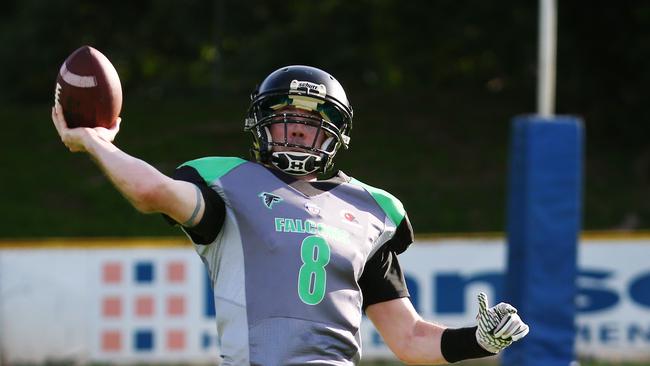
[
  {"x": 498, "y": 326},
  {"x": 74, "y": 138}
]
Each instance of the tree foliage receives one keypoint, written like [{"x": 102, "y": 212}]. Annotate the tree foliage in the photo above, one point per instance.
[{"x": 450, "y": 73}]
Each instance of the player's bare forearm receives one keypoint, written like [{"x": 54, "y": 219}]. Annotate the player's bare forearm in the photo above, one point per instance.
[
  {"x": 144, "y": 186},
  {"x": 413, "y": 340},
  {"x": 416, "y": 341},
  {"x": 422, "y": 345},
  {"x": 134, "y": 178}
]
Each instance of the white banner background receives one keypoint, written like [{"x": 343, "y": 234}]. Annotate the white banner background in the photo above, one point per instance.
[{"x": 57, "y": 304}]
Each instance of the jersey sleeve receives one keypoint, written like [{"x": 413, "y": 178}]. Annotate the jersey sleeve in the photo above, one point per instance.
[
  {"x": 207, "y": 229},
  {"x": 382, "y": 278}
]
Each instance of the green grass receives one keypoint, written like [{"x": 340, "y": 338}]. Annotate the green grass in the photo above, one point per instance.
[
  {"x": 447, "y": 163},
  {"x": 363, "y": 363},
  {"x": 496, "y": 363},
  {"x": 52, "y": 192}
]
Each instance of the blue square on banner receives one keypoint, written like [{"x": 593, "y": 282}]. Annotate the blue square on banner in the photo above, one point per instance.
[
  {"x": 205, "y": 341},
  {"x": 143, "y": 340},
  {"x": 144, "y": 272}
]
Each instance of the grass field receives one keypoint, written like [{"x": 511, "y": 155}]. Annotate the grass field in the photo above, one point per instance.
[
  {"x": 363, "y": 363},
  {"x": 451, "y": 176},
  {"x": 496, "y": 363}
]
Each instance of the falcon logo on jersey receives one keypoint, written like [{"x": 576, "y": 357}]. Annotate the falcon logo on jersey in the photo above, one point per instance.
[{"x": 270, "y": 199}]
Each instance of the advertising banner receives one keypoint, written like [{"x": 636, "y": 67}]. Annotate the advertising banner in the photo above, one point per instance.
[{"x": 152, "y": 303}]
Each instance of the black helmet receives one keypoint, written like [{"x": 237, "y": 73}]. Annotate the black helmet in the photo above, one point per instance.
[{"x": 326, "y": 107}]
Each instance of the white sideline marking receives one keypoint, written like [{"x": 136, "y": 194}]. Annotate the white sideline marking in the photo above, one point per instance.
[{"x": 77, "y": 80}]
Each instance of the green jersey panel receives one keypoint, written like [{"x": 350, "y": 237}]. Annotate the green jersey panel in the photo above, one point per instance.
[
  {"x": 391, "y": 205},
  {"x": 214, "y": 167}
]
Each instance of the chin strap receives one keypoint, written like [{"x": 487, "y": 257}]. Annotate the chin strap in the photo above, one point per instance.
[{"x": 296, "y": 163}]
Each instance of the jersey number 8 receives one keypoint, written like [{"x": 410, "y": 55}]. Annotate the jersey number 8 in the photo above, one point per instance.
[{"x": 312, "y": 278}]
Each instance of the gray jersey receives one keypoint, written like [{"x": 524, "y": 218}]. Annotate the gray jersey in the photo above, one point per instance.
[{"x": 285, "y": 266}]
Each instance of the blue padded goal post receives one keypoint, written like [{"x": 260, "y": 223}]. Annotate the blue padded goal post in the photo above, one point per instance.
[{"x": 544, "y": 219}]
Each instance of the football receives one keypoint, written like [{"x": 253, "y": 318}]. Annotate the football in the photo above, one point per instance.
[{"x": 88, "y": 89}]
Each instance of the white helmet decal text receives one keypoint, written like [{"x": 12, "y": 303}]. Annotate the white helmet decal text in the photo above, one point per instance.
[{"x": 308, "y": 87}]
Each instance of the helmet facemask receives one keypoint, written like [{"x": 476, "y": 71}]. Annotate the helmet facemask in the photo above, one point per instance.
[{"x": 296, "y": 158}]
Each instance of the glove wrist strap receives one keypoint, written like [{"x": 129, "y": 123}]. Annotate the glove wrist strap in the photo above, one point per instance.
[{"x": 460, "y": 344}]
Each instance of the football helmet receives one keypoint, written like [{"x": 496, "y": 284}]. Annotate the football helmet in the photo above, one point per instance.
[{"x": 304, "y": 95}]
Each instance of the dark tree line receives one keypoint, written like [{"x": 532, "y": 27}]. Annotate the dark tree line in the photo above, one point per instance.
[{"x": 444, "y": 67}]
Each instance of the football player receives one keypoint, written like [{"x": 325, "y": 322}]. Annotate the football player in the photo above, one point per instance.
[{"x": 294, "y": 260}]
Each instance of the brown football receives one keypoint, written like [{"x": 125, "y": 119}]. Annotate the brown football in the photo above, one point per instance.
[{"x": 88, "y": 89}]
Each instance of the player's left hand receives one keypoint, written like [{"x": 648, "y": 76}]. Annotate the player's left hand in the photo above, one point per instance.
[{"x": 498, "y": 326}]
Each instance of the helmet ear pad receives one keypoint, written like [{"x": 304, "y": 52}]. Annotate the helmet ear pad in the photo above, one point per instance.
[
  {"x": 329, "y": 144},
  {"x": 267, "y": 132}
]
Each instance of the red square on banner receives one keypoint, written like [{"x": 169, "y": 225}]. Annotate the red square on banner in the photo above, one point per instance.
[
  {"x": 112, "y": 272},
  {"x": 176, "y": 272},
  {"x": 144, "y": 306},
  {"x": 111, "y": 341},
  {"x": 175, "y": 339},
  {"x": 175, "y": 305},
  {"x": 112, "y": 307}
]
